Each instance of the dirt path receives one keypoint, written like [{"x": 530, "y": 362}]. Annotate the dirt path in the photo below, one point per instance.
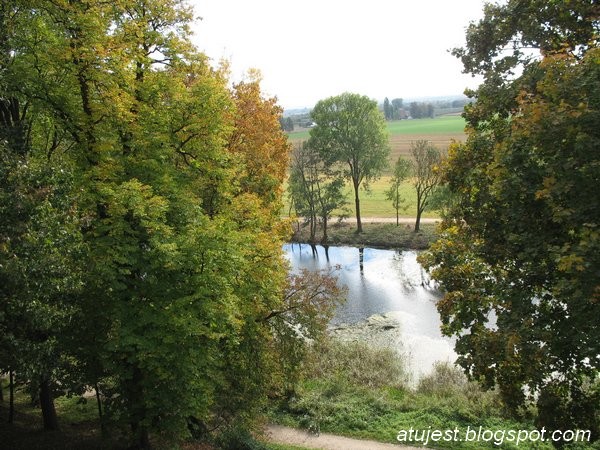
[
  {"x": 403, "y": 220},
  {"x": 292, "y": 436}
]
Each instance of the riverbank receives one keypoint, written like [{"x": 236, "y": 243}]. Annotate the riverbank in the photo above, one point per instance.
[{"x": 376, "y": 234}]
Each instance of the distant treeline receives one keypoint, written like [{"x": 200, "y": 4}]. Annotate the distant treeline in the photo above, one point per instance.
[{"x": 394, "y": 109}]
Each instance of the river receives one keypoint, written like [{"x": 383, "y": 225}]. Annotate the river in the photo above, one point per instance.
[{"x": 384, "y": 283}]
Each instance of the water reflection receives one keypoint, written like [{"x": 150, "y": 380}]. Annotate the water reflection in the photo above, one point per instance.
[{"x": 379, "y": 282}]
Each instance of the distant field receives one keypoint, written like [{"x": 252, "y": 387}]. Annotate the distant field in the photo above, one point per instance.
[
  {"x": 453, "y": 125},
  {"x": 440, "y": 131}
]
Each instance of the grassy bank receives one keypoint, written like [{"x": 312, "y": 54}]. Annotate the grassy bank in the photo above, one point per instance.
[
  {"x": 375, "y": 235},
  {"x": 354, "y": 390},
  {"x": 373, "y": 203}
]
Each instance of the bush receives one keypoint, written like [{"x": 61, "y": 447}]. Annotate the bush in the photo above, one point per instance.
[{"x": 238, "y": 438}]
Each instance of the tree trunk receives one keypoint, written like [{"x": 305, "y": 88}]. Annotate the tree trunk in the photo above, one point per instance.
[
  {"x": 359, "y": 228},
  {"x": 138, "y": 410},
  {"x": 99, "y": 403},
  {"x": 47, "y": 405},
  {"x": 324, "y": 241},
  {"x": 418, "y": 220},
  {"x": 1, "y": 390},
  {"x": 11, "y": 397}
]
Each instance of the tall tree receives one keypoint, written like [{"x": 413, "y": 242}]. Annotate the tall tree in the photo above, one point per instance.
[
  {"x": 316, "y": 191},
  {"x": 521, "y": 245},
  {"x": 427, "y": 174},
  {"x": 402, "y": 170},
  {"x": 118, "y": 141},
  {"x": 387, "y": 109},
  {"x": 397, "y": 105},
  {"x": 351, "y": 131}
]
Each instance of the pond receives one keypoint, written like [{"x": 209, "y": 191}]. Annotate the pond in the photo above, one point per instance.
[{"x": 389, "y": 283}]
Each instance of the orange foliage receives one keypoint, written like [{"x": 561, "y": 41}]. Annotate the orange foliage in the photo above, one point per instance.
[{"x": 259, "y": 142}]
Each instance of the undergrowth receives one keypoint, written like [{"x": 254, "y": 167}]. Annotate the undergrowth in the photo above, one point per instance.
[{"x": 355, "y": 390}]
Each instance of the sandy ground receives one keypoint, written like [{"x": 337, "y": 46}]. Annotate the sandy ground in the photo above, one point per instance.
[{"x": 324, "y": 441}]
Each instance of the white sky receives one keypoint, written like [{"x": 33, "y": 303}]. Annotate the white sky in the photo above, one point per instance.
[{"x": 308, "y": 50}]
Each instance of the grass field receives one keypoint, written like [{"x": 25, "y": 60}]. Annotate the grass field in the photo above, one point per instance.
[
  {"x": 442, "y": 125},
  {"x": 440, "y": 131},
  {"x": 374, "y": 204}
]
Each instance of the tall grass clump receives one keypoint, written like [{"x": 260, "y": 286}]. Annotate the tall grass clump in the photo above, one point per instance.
[
  {"x": 447, "y": 390},
  {"x": 356, "y": 363}
]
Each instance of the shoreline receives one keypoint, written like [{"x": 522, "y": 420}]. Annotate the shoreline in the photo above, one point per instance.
[{"x": 377, "y": 233}]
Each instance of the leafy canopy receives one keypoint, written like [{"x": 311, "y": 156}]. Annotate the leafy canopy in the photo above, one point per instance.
[{"x": 519, "y": 255}]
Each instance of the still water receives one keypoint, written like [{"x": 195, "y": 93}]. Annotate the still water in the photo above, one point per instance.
[{"x": 384, "y": 282}]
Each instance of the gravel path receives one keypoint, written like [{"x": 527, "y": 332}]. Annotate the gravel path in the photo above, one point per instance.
[{"x": 324, "y": 441}]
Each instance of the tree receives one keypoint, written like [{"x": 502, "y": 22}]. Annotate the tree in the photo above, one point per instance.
[
  {"x": 521, "y": 244},
  {"x": 427, "y": 160},
  {"x": 387, "y": 109},
  {"x": 139, "y": 244},
  {"x": 259, "y": 141},
  {"x": 315, "y": 190},
  {"x": 309, "y": 304},
  {"x": 397, "y": 105},
  {"x": 402, "y": 170},
  {"x": 301, "y": 186},
  {"x": 351, "y": 131}
]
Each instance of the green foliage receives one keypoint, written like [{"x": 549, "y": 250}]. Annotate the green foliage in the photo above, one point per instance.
[
  {"x": 356, "y": 390},
  {"x": 518, "y": 257},
  {"x": 350, "y": 131},
  {"x": 140, "y": 240},
  {"x": 316, "y": 191},
  {"x": 426, "y": 164},
  {"x": 236, "y": 438},
  {"x": 402, "y": 170}
]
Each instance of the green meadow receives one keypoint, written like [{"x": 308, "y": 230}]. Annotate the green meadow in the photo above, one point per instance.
[
  {"x": 374, "y": 204},
  {"x": 451, "y": 124}
]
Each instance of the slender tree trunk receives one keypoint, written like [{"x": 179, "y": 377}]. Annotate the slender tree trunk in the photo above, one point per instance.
[
  {"x": 47, "y": 405},
  {"x": 418, "y": 220},
  {"x": 397, "y": 206},
  {"x": 324, "y": 241},
  {"x": 99, "y": 403},
  {"x": 11, "y": 397},
  {"x": 359, "y": 228},
  {"x": 419, "y": 211},
  {"x": 313, "y": 228},
  {"x": 1, "y": 390}
]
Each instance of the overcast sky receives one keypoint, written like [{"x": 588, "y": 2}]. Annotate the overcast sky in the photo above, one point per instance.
[{"x": 308, "y": 50}]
